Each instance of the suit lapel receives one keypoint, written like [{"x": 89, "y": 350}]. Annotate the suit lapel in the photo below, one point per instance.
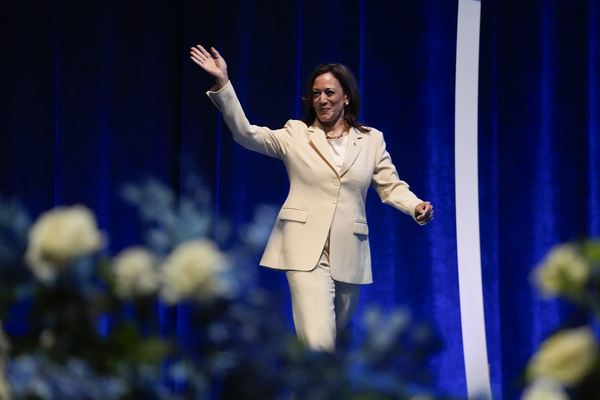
[
  {"x": 352, "y": 150},
  {"x": 319, "y": 143}
]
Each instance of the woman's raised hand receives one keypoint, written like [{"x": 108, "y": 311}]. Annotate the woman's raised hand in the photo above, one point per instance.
[{"x": 213, "y": 64}]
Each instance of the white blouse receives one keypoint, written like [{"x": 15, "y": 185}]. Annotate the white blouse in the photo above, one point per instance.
[{"x": 338, "y": 150}]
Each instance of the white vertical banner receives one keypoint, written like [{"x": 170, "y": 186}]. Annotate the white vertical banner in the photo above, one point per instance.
[{"x": 467, "y": 201}]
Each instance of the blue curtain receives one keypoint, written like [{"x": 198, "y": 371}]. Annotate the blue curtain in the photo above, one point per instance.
[
  {"x": 95, "y": 94},
  {"x": 539, "y": 163}
]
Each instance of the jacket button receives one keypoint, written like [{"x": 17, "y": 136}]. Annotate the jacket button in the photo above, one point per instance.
[
  {"x": 336, "y": 182},
  {"x": 333, "y": 200}
]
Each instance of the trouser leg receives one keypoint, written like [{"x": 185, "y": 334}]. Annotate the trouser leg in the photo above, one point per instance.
[
  {"x": 346, "y": 302},
  {"x": 321, "y": 306}
]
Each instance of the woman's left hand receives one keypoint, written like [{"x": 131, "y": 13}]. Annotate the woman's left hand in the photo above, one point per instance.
[{"x": 424, "y": 212}]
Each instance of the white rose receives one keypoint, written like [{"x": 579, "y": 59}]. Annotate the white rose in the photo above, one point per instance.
[
  {"x": 58, "y": 236},
  {"x": 563, "y": 271},
  {"x": 136, "y": 274},
  {"x": 192, "y": 272},
  {"x": 566, "y": 356},
  {"x": 544, "y": 389}
]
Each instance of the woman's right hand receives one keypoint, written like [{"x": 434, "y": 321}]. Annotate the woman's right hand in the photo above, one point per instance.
[{"x": 213, "y": 64}]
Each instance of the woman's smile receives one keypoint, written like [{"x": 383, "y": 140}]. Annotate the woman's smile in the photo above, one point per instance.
[{"x": 328, "y": 99}]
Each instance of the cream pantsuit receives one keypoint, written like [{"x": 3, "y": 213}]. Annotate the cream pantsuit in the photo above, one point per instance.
[
  {"x": 323, "y": 202},
  {"x": 322, "y": 306}
]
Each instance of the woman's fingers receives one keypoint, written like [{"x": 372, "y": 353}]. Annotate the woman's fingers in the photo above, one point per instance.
[
  {"x": 200, "y": 56},
  {"x": 213, "y": 63},
  {"x": 199, "y": 53},
  {"x": 424, "y": 212},
  {"x": 196, "y": 55},
  {"x": 428, "y": 212},
  {"x": 202, "y": 51}
]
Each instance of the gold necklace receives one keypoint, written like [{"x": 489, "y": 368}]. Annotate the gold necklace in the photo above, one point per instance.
[{"x": 339, "y": 135}]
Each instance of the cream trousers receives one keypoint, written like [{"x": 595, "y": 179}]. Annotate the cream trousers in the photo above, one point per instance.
[{"x": 322, "y": 307}]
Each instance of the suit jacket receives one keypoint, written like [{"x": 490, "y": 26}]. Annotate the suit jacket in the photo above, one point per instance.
[{"x": 322, "y": 202}]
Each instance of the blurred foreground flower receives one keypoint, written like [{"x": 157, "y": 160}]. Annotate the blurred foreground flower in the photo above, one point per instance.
[
  {"x": 100, "y": 331},
  {"x": 567, "y": 364},
  {"x": 35, "y": 377},
  {"x": 544, "y": 389},
  {"x": 566, "y": 356},
  {"x": 564, "y": 271},
  {"x": 58, "y": 236},
  {"x": 136, "y": 274},
  {"x": 192, "y": 271}
]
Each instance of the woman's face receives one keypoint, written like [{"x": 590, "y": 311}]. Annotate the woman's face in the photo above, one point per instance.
[{"x": 328, "y": 99}]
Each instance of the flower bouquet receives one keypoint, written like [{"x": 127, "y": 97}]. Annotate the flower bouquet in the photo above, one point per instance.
[
  {"x": 567, "y": 364},
  {"x": 181, "y": 316}
]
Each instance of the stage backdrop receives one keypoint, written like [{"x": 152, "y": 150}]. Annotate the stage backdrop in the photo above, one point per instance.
[{"x": 97, "y": 93}]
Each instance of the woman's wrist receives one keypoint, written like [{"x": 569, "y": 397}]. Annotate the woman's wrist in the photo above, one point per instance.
[{"x": 221, "y": 81}]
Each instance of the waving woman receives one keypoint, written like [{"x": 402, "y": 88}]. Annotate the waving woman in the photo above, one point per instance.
[{"x": 321, "y": 236}]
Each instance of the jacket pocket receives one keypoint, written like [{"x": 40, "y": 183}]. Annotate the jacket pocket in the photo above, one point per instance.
[
  {"x": 361, "y": 228},
  {"x": 293, "y": 214}
]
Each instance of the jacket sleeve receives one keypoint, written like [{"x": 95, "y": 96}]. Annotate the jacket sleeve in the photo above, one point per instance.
[
  {"x": 263, "y": 140},
  {"x": 391, "y": 189}
]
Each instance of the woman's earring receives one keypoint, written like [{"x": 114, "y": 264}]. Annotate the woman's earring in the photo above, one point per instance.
[{"x": 346, "y": 103}]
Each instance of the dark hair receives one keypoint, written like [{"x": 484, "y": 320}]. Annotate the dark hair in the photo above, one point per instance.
[{"x": 350, "y": 88}]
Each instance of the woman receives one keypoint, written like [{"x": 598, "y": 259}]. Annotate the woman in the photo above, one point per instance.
[{"x": 320, "y": 237}]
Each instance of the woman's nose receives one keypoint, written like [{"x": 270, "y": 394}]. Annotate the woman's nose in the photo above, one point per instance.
[{"x": 322, "y": 98}]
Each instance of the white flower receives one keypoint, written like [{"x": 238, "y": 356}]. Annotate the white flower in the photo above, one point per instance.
[
  {"x": 58, "y": 236},
  {"x": 136, "y": 274},
  {"x": 544, "y": 389},
  {"x": 192, "y": 271},
  {"x": 566, "y": 356},
  {"x": 563, "y": 271}
]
